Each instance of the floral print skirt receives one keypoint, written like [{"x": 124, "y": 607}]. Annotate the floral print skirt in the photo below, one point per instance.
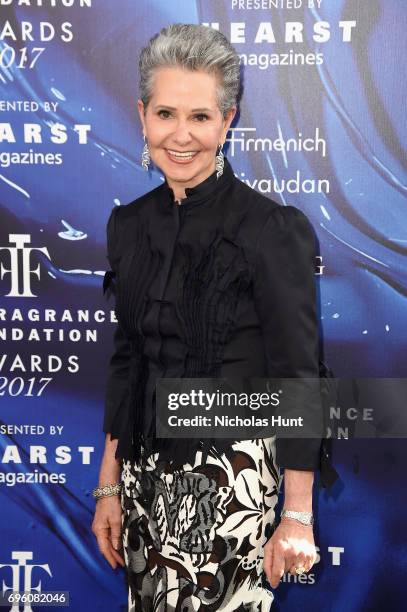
[{"x": 193, "y": 537}]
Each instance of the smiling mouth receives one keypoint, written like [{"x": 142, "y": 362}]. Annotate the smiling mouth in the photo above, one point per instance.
[{"x": 181, "y": 156}]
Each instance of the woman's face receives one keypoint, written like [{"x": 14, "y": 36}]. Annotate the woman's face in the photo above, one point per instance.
[{"x": 183, "y": 117}]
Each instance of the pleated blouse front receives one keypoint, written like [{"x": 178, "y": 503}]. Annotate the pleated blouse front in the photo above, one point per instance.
[{"x": 221, "y": 285}]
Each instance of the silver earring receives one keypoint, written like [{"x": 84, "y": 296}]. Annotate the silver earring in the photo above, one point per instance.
[
  {"x": 145, "y": 156},
  {"x": 220, "y": 162}
]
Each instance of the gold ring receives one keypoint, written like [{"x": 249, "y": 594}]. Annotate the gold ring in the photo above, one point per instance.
[{"x": 300, "y": 569}]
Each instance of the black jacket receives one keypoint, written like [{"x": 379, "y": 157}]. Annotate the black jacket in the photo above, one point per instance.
[{"x": 221, "y": 285}]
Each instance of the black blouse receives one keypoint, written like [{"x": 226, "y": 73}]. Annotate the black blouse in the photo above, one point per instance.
[{"x": 221, "y": 285}]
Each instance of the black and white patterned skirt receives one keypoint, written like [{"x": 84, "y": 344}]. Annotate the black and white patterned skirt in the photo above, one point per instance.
[{"x": 193, "y": 537}]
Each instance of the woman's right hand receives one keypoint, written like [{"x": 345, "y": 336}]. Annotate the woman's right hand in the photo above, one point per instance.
[{"x": 107, "y": 526}]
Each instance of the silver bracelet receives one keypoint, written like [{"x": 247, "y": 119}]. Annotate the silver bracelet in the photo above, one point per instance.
[
  {"x": 107, "y": 490},
  {"x": 305, "y": 518}
]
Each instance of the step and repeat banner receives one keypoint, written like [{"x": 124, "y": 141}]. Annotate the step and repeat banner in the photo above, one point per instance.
[{"x": 321, "y": 127}]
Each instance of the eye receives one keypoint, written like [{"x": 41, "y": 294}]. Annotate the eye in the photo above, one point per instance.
[{"x": 201, "y": 117}]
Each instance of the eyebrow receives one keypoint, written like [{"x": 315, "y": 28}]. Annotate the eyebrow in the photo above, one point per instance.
[{"x": 193, "y": 110}]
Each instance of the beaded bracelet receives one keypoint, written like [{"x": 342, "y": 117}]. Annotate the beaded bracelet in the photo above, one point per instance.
[{"x": 107, "y": 490}]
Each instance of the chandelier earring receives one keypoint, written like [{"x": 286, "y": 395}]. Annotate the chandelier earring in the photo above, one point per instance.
[
  {"x": 220, "y": 162},
  {"x": 145, "y": 156}
]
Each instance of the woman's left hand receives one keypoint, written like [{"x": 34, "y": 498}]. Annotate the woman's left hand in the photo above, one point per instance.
[{"x": 290, "y": 546}]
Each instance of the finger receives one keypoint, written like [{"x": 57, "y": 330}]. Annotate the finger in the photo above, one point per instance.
[
  {"x": 106, "y": 548},
  {"x": 309, "y": 562},
  {"x": 306, "y": 559},
  {"x": 277, "y": 567},
  {"x": 118, "y": 557},
  {"x": 107, "y": 552},
  {"x": 291, "y": 559},
  {"x": 267, "y": 560},
  {"x": 116, "y": 542},
  {"x": 116, "y": 545},
  {"x": 299, "y": 561}
]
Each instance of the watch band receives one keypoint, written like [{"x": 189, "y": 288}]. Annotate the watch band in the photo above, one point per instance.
[{"x": 305, "y": 518}]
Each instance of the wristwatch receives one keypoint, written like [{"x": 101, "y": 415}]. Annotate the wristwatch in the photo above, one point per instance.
[{"x": 306, "y": 518}]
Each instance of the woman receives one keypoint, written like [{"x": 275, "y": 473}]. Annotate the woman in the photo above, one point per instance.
[{"x": 211, "y": 279}]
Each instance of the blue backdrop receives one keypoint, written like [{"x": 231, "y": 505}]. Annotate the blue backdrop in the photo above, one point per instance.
[{"x": 326, "y": 80}]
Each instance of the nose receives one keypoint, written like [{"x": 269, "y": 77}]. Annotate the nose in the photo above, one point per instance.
[{"x": 182, "y": 135}]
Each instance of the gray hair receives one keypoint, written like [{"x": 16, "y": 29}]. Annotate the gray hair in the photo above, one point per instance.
[{"x": 193, "y": 47}]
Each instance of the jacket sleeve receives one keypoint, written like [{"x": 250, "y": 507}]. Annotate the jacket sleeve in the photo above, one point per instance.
[
  {"x": 285, "y": 299},
  {"x": 116, "y": 390}
]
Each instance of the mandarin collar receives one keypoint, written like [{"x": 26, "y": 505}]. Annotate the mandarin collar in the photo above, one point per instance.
[{"x": 203, "y": 191}]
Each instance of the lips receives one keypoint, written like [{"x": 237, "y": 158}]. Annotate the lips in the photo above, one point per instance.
[{"x": 181, "y": 156}]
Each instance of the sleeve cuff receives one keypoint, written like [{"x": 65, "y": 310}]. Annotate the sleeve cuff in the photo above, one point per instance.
[{"x": 307, "y": 454}]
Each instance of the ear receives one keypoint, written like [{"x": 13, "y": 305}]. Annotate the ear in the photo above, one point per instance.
[
  {"x": 140, "y": 108},
  {"x": 228, "y": 120}
]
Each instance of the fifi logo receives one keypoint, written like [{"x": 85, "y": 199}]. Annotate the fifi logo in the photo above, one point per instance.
[
  {"x": 21, "y": 574},
  {"x": 20, "y": 265}
]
